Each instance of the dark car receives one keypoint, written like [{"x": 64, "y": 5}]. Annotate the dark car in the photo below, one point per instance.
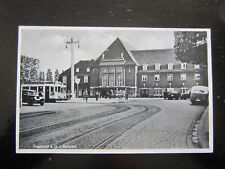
[
  {"x": 199, "y": 94},
  {"x": 171, "y": 95},
  {"x": 31, "y": 97}
]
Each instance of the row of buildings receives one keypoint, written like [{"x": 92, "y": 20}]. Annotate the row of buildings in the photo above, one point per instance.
[{"x": 142, "y": 73}]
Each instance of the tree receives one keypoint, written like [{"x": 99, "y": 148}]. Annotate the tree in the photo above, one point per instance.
[
  {"x": 56, "y": 75},
  {"x": 49, "y": 76},
  {"x": 41, "y": 77},
  {"x": 29, "y": 69},
  {"x": 191, "y": 47}
]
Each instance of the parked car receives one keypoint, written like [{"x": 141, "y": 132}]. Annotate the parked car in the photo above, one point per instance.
[
  {"x": 171, "y": 95},
  {"x": 31, "y": 97},
  {"x": 185, "y": 95},
  {"x": 199, "y": 94}
]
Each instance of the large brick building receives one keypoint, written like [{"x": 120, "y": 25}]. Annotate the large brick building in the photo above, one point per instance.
[{"x": 144, "y": 73}]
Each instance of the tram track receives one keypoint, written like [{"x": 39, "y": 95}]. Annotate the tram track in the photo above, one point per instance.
[
  {"x": 101, "y": 136},
  {"x": 37, "y": 131}
]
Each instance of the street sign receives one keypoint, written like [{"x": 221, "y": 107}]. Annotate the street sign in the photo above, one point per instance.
[{"x": 77, "y": 81}]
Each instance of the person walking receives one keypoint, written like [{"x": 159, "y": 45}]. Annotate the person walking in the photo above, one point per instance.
[
  {"x": 96, "y": 95},
  {"x": 86, "y": 95},
  {"x": 127, "y": 95}
]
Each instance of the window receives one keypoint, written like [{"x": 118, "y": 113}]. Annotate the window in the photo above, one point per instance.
[
  {"x": 64, "y": 79},
  {"x": 170, "y": 66},
  {"x": 157, "y": 66},
  {"x": 157, "y": 91},
  {"x": 145, "y": 66},
  {"x": 111, "y": 80},
  {"x": 144, "y": 78},
  {"x": 85, "y": 79},
  {"x": 88, "y": 69},
  {"x": 183, "y": 65},
  {"x": 77, "y": 69},
  {"x": 183, "y": 76},
  {"x": 196, "y": 66},
  {"x": 183, "y": 90},
  {"x": 103, "y": 56},
  {"x": 119, "y": 69},
  {"x": 111, "y": 69},
  {"x": 157, "y": 77},
  {"x": 104, "y": 70},
  {"x": 196, "y": 76},
  {"x": 104, "y": 80},
  {"x": 122, "y": 55},
  {"x": 170, "y": 77},
  {"x": 118, "y": 80}
]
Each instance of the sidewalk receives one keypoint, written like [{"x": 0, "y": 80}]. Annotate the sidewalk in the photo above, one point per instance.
[
  {"x": 93, "y": 100},
  {"x": 104, "y": 100},
  {"x": 203, "y": 129}
]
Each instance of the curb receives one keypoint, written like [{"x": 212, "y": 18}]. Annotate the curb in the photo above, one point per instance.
[
  {"x": 203, "y": 130},
  {"x": 199, "y": 135}
]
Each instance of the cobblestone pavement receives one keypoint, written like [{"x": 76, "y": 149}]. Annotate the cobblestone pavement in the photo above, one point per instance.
[
  {"x": 167, "y": 129},
  {"x": 110, "y": 124}
]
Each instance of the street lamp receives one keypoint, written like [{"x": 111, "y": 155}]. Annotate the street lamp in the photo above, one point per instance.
[{"x": 71, "y": 43}]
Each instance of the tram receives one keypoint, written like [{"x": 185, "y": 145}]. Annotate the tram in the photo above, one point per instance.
[{"x": 51, "y": 91}]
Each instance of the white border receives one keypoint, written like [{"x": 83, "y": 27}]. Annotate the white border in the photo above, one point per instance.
[{"x": 116, "y": 151}]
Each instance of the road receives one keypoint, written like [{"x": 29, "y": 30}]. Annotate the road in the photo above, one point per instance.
[{"x": 134, "y": 124}]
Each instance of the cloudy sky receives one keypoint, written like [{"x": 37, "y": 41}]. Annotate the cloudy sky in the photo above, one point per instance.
[{"x": 49, "y": 45}]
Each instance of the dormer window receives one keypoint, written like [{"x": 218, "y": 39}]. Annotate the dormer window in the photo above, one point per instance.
[
  {"x": 183, "y": 66},
  {"x": 196, "y": 66},
  {"x": 145, "y": 66},
  {"x": 157, "y": 66},
  {"x": 170, "y": 66}
]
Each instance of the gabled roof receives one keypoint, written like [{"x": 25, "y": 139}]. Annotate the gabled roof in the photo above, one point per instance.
[
  {"x": 151, "y": 57},
  {"x": 114, "y": 52}
]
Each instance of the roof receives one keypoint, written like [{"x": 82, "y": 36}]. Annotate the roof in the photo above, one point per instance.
[
  {"x": 151, "y": 57},
  {"x": 114, "y": 50}
]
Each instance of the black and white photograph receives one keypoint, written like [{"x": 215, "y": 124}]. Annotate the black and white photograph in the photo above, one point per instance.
[{"x": 114, "y": 90}]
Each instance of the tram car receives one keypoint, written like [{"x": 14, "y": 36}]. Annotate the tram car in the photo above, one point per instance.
[{"x": 51, "y": 91}]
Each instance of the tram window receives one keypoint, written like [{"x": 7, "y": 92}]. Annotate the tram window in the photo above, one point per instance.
[
  {"x": 25, "y": 87},
  {"x": 40, "y": 88},
  {"x": 51, "y": 89},
  {"x": 33, "y": 88},
  {"x": 56, "y": 89}
]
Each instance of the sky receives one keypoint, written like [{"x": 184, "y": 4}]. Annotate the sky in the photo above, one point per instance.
[{"x": 49, "y": 44}]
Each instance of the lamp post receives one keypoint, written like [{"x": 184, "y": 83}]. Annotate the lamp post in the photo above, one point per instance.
[{"x": 71, "y": 43}]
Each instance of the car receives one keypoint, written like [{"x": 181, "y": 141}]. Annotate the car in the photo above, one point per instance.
[
  {"x": 199, "y": 95},
  {"x": 185, "y": 95},
  {"x": 171, "y": 95},
  {"x": 31, "y": 97}
]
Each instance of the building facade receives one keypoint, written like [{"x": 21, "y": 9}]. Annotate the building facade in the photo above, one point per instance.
[
  {"x": 141, "y": 73},
  {"x": 114, "y": 71},
  {"x": 82, "y": 71}
]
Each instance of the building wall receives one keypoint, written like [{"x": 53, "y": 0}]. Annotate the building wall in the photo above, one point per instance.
[
  {"x": 130, "y": 75},
  {"x": 147, "y": 87}
]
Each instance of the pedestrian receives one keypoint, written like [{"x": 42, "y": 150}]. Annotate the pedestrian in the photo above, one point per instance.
[
  {"x": 96, "y": 95},
  {"x": 86, "y": 95},
  {"x": 126, "y": 95}
]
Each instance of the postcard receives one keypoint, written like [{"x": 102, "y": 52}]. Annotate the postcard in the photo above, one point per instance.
[{"x": 114, "y": 90}]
